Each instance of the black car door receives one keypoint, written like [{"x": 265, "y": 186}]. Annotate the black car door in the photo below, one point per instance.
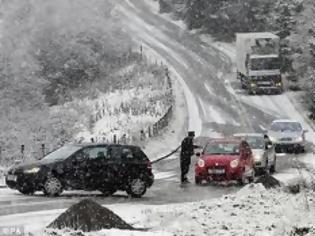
[
  {"x": 97, "y": 166},
  {"x": 75, "y": 169},
  {"x": 116, "y": 165},
  {"x": 137, "y": 163}
]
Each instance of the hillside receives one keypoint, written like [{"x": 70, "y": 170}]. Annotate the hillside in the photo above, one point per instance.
[{"x": 57, "y": 57}]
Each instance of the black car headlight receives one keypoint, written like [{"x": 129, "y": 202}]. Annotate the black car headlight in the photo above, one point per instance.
[{"x": 31, "y": 171}]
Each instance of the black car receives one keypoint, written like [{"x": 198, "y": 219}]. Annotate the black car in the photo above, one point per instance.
[{"x": 103, "y": 167}]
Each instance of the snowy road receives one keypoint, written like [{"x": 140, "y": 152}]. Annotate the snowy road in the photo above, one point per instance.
[{"x": 216, "y": 104}]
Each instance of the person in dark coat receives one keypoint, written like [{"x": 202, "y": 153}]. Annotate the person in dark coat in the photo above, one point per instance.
[{"x": 187, "y": 150}]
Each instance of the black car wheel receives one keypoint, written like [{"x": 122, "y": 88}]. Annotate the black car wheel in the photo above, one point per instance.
[
  {"x": 53, "y": 187},
  {"x": 136, "y": 188}
]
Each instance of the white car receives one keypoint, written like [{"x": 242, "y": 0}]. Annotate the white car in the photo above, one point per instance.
[
  {"x": 287, "y": 135},
  {"x": 263, "y": 152}
]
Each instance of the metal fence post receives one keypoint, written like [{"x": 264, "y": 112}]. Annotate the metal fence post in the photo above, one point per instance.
[
  {"x": 43, "y": 150},
  {"x": 22, "y": 151},
  {"x": 142, "y": 135}
]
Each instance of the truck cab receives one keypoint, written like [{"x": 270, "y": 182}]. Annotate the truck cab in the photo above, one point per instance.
[{"x": 258, "y": 62}]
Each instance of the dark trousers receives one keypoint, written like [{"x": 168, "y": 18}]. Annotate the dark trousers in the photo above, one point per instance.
[{"x": 184, "y": 167}]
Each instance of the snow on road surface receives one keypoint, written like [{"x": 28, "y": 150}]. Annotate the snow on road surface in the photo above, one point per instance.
[{"x": 251, "y": 211}]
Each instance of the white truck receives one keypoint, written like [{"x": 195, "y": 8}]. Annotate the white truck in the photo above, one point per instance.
[{"x": 258, "y": 63}]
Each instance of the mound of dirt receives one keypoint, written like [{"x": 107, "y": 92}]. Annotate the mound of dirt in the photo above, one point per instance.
[
  {"x": 268, "y": 181},
  {"x": 87, "y": 216},
  {"x": 301, "y": 231}
]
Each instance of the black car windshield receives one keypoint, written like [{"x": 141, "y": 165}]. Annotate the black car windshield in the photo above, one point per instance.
[
  {"x": 257, "y": 142},
  {"x": 222, "y": 149},
  {"x": 62, "y": 153},
  {"x": 286, "y": 126}
]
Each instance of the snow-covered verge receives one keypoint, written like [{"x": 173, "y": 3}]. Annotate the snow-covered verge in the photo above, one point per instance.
[
  {"x": 251, "y": 211},
  {"x": 2, "y": 181}
]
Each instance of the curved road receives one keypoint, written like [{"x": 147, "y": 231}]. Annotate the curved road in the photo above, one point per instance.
[{"x": 216, "y": 104}]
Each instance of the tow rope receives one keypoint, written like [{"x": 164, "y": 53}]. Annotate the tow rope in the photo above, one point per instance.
[{"x": 166, "y": 156}]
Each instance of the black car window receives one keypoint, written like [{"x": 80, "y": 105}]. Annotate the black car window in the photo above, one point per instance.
[
  {"x": 139, "y": 154},
  {"x": 127, "y": 153},
  {"x": 96, "y": 152},
  {"x": 115, "y": 152},
  {"x": 62, "y": 153},
  {"x": 80, "y": 156}
]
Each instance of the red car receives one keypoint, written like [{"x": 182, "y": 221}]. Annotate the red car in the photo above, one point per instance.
[{"x": 224, "y": 160}]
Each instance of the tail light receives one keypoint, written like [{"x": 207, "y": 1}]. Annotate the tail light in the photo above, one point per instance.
[{"x": 149, "y": 165}]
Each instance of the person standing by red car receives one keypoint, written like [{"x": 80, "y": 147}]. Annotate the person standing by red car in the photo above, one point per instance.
[{"x": 187, "y": 150}]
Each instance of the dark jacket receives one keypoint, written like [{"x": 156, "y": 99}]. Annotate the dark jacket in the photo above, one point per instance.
[{"x": 187, "y": 147}]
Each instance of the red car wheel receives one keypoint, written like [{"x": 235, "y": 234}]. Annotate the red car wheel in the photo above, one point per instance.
[{"x": 198, "y": 180}]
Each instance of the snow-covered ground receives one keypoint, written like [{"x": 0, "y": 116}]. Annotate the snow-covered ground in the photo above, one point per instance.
[{"x": 251, "y": 211}]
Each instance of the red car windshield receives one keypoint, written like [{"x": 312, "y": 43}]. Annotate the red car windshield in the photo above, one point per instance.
[{"x": 222, "y": 149}]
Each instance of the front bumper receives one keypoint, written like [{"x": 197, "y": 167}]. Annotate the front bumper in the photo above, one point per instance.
[
  {"x": 150, "y": 180},
  {"x": 287, "y": 147},
  {"x": 265, "y": 89},
  {"x": 31, "y": 181},
  {"x": 258, "y": 164},
  {"x": 219, "y": 173}
]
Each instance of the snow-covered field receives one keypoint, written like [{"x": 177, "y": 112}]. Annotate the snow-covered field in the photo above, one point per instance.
[
  {"x": 124, "y": 111},
  {"x": 251, "y": 211}
]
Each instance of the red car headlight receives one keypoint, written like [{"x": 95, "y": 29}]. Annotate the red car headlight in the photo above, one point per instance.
[
  {"x": 234, "y": 163},
  {"x": 201, "y": 163}
]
